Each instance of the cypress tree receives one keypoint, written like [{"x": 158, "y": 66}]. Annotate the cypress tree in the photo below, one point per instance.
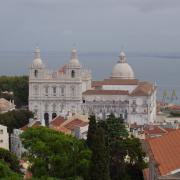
[
  {"x": 99, "y": 169},
  {"x": 91, "y": 130}
]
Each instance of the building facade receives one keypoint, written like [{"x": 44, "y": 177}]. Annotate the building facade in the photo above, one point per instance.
[
  {"x": 4, "y": 137},
  {"x": 16, "y": 143},
  {"x": 71, "y": 89},
  {"x": 57, "y": 93}
]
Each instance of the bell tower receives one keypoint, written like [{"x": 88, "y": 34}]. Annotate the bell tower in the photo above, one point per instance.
[{"x": 37, "y": 67}]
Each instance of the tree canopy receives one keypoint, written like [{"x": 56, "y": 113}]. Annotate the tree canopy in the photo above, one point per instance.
[
  {"x": 100, "y": 157},
  {"x": 7, "y": 174},
  {"x": 15, "y": 119},
  {"x": 10, "y": 159},
  {"x": 54, "y": 154},
  {"x": 126, "y": 157},
  {"x": 18, "y": 85},
  {"x": 91, "y": 130}
]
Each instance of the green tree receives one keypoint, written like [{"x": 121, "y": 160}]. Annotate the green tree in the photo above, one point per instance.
[
  {"x": 100, "y": 158},
  {"x": 6, "y": 173},
  {"x": 10, "y": 159},
  {"x": 120, "y": 145},
  {"x": 91, "y": 130},
  {"x": 15, "y": 119},
  {"x": 18, "y": 85},
  {"x": 56, "y": 155}
]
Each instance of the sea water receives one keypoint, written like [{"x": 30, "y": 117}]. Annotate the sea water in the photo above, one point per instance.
[{"x": 162, "y": 69}]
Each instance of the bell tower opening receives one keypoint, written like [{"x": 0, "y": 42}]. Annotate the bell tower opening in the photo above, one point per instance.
[
  {"x": 72, "y": 73},
  {"x": 36, "y": 73}
]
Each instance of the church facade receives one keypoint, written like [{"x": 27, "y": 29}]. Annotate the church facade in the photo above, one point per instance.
[{"x": 71, "y": 89}]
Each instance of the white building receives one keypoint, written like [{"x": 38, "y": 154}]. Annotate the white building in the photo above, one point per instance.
[
  {"x": 6, "y": 105},
  {"x": 16, "y": 143},
  {"x": 52, "y": 94},
  {"x": 70, "y": 89},
  {"x": 4, "y": 137}
]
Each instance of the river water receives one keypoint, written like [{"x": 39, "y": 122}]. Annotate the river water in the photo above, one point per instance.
[{"x": 164, "y": 69}]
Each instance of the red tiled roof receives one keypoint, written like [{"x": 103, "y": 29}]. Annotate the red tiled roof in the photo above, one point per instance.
[
  {"x": 62, "y": 70},
  {"x": 105, "y": 92},
  {"x": 74, "y": 123},
  {"x": 169, "y": 129},
  {"x": 134, "y": 126},
  {"x": 61, "y": 129},
  {"x": 146, "y": 174},
  {"x": 115, "y": 82},
  {"x": 143, "y": 89},
  {"x": 166, "y": 151},
  {"x": 154, "y": 130},
  {"x": 175, "y": 107},
  {"x": 34, "y": 125},
  {"x": 57, "y": 121}
]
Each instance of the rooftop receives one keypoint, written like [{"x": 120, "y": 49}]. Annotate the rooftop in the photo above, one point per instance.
[
  {"x": 166, "y": 152},
  {"x": 143, "y": 89},
  {"x": 105, "y": 92}
]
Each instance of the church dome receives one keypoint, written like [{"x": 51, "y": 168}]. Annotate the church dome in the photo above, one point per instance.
[
  {"x": 74, "y": 59},
  {"x": 37, "y": 62},
  {"x": 122, "y": 70}
]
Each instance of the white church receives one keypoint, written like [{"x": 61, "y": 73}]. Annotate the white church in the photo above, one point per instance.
[{"x": 71, "y": 89}]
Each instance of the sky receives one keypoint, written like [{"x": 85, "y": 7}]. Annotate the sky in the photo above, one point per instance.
[{"x": 90, "y": 25}]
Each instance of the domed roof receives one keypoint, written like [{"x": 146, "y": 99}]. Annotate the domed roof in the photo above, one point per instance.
[
  {"x": 122, "y": 70},
  {"x": 37, "y": 62},
  {"x": 74, "y": 59}
]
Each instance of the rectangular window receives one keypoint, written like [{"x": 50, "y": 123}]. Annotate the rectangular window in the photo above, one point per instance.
[
  {"x": 134, "y": 110},
  {"x": 54, "y": 91},
  {"x": 35, "y": 90},
  {"x": 62, "y": 91},
  {"x": 46, "y": 91},
  {"x": 1, "y": 141},
  {"x": 1, "y": 131},
  {"x": 134, "y": 101}
]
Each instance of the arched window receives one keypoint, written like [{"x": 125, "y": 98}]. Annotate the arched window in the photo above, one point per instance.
[
  {"x": 72, "y": 73},
  {"x": 36, "y": 73},
  {"x": 46, "y": 118},
  {"x": 54, "y": 115}
]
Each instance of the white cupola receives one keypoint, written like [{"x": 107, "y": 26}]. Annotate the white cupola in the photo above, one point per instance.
[
  {"x": 122, "y": 70},
  {"x": 37, "y": 62},
  {"x": 74, "y": 58}
]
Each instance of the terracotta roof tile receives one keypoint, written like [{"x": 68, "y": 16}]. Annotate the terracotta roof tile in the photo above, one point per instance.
[
  {"x": 34, "y": 125},
  {"x": 105, "y": 92},
  {"x": 74, "y": 123},
  {"x": 175, "y": 107},
  {"x": 143, "y": 89},
  {"x": 154, "y": 130},
  {"x": 61, "y": 129},
  {"x": 115, "y": 82},
  {"x": 146, "y": 174},
  {"x": 166, "y": 151},
  {"x": 62, "y": 70},
  {"x": 57, "y": 121}
]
